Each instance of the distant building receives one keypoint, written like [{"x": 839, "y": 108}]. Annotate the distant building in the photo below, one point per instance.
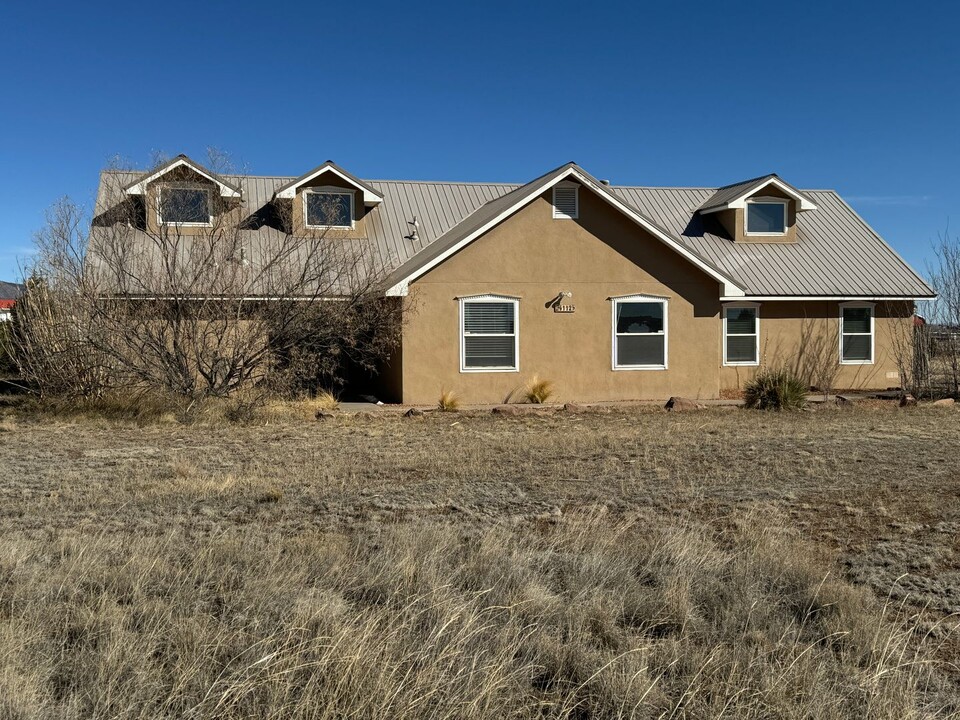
[{"x": 9, "y": 294}]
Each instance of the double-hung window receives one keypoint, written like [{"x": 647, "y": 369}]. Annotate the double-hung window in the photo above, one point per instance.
[
  {"x": 856, "y": 333},
  {"x": 489, "y": 337},
  {"x": 639, "y": 333},
  {"x": 741, "y": 335}
]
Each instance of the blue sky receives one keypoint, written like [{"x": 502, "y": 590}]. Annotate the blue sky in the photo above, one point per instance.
[{"x": 861, "y": 97}]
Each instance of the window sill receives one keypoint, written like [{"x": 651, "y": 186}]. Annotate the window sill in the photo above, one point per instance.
[
  {"x": 489, "y": 370},
  {"x": 741, "y": 364},
  {"x": 856, "y": 362},
  {"x": 186, "y": 224},
  {"x": 330, "y": 227},
  {"x": 621, "y": 368}
]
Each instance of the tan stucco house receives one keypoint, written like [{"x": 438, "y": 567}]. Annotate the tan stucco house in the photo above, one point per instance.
[{"x": 611, "y": 292}]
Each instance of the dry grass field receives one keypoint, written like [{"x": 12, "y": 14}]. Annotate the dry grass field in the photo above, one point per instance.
[{"x": 624, "y": 563}]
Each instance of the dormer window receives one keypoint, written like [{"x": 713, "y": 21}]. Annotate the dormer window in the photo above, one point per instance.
[
  {"x": 766, "y": 216},
  {"x": 328, "y": 208},
  {"x": 184, "y": 204}
]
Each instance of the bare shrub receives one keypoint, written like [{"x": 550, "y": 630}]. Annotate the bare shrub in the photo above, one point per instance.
[
  {"x": 944, "y": 313},
  {"x": 197, "y": 311}
]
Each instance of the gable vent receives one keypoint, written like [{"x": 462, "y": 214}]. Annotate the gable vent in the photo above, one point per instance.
[{"x": 566, "y": 204}]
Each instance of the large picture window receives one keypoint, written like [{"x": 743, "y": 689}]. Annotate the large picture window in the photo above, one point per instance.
[
  {"x": 766, "y": 216},
  {"x": 185, "y": 205},
  {"x": 856, "y": 334},
  {"x": 639, "y": 333},
  {"x": 328, "y": 208},
  {"x": 741, "y": 335},
  {"x": 489, "y": 338}
]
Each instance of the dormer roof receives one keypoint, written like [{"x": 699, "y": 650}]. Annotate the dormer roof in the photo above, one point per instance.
[
  {"x": 138, "y": 186},
  {"x": 736, "y": 195},
  {"x": 370, "y": 195}
]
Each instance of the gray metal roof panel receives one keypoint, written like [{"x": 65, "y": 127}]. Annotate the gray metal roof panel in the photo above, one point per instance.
[{"x": 836, "y": 252}]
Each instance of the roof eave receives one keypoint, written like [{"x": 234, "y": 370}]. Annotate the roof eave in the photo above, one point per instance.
[
  {"x": 370, "y": 196},
  {"x": 400, "y": 286},
  {"x": 140, "y": 187}
]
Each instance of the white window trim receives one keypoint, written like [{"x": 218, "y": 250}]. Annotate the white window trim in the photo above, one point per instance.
[
  {"x": 873, "y": 334},
  {"x": 183, "y": 186},
  {"x": 329, "y": 190},
  {"x": 736, "y": 306},
  {"x": 784, "y": 202},
  {"x": 516, "y": 333},
  {"x": 614, "y": 333},
  {"x": 576, "y": 201}
]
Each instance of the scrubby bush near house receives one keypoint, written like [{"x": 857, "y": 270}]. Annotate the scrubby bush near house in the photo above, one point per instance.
[
  {"x": 114, "y": 303},
  {"x": 775, "y": 389}
]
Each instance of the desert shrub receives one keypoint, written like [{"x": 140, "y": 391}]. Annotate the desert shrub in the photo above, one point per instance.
[
  {"x": 775, "y": 389},
  {"x": 449, "y": 401},
  {"x": 539, "y": 390}
]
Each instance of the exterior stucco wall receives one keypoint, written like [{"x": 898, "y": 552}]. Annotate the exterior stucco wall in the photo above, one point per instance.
[
  {"x": 533, "y": 257},
  {"x": 805, "y": 336},
  {"x": 597, "y": 257}
]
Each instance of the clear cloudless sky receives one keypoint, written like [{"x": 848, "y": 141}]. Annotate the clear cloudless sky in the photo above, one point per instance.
[{"x": 857, "y": 96}]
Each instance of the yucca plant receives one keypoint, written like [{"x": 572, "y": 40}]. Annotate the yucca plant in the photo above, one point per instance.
[
  {"x": 775, "y": 389},
  {"x": 449, "y": 401},
  {"x": 539, "y": 391}
]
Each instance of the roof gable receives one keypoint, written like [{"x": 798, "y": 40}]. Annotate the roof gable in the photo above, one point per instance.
[
  {"x": 370, "y": 195},
  {"x": 139, "y": 186},
  {"x": 500, "y": 209},
  {"x": 736, "y": 195}
]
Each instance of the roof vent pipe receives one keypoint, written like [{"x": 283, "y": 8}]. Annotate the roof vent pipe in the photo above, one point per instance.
[{"x": 604, "y": 182}]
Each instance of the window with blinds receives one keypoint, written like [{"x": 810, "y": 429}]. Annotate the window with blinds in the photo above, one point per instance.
[
  {"x": 639, "y": 333},
  {"x": 741, "y": 336},
  {"x": 566, "y": 201},
  {"x": 489, "y": 336},
  {"x": 856, "y": 334}
]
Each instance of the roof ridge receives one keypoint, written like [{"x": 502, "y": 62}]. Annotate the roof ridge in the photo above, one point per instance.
[{"x": 747, "y": 182}]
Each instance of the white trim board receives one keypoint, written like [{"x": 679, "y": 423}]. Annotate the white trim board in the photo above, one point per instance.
[
  {"x": 140, "y": 187},
  {"x": 847, "y": 298},
  {"x": 740, "y": 201},
  {"x": 369, "y": 197},
  {"x": 730, "y": 288}
]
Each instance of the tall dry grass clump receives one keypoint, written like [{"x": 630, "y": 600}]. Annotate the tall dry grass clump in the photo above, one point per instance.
[
  {"x": 539, "y": 390},
  {"x": 449, "y": 401},
  {"x": 579, "y": 619}
]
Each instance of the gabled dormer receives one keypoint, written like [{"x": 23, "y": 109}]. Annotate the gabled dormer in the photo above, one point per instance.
[
  {"x": 328, "y": 199},
  {"x": 762, "y": 210},
  {"x": 185, "y": 196}
]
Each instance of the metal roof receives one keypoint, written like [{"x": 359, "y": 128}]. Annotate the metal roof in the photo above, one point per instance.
[
  {"x": 10, "y": 290},
  {"x": 836, "y": 253}
]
